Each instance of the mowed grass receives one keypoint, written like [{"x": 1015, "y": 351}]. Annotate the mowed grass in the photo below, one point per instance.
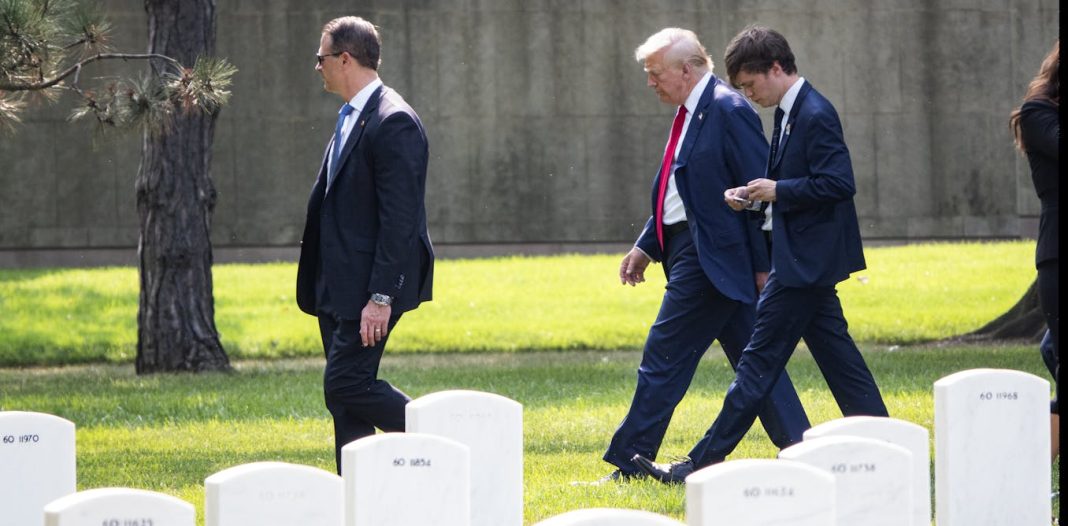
[
  {"x": 908, "y": 294},
  {"x": 168, "y": 433}
]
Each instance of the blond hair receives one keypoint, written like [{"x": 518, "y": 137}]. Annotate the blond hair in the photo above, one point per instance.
[{"x": 681, "y": 45}]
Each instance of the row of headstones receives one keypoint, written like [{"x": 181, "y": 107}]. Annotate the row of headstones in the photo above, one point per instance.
[
  {"x": 459, "y": 447},
  {"x": 461, "y": 463}
]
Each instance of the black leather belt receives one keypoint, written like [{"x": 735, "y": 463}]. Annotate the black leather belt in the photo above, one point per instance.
[{"x": 674, "y": 229}]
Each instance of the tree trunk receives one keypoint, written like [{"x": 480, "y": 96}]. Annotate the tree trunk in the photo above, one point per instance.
[
  {"x": 175, "y": 200},
  {"x": 1024, "y": 321}
]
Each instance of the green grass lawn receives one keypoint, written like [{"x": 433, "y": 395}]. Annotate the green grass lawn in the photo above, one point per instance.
[
  {"x": 169, "y": 432},
  {"x": 908, "y": 294}
]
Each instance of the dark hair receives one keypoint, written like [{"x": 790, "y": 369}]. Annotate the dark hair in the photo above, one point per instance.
[
  {"x": 1046, "y": 86},
  {"x": 756, "y": 49},
  {"x": 357, "y": 37}
]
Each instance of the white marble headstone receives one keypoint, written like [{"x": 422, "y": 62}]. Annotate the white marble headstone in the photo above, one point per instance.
[
  {"x": 609, "y": 517},
  {"x": 37, "y": 465},
  {"x": 273, "y": 494},
  {"x": 873, "y": 478},
  {"x": 492, "y": 426},
  {"x": 760, "y": 492},
  {"x": 912, "y": 437},
  {"x": 992, "y": 446},
  {"x": 405, "y": 479},
  {"x": 119, "y": 507}
]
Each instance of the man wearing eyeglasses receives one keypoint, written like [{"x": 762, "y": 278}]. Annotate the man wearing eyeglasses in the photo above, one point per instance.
[{"x": 365, "y": 256}]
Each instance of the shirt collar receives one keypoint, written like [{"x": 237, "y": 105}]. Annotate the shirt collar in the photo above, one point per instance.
[
  {"x": 360, "y": 100},
  {"x": 696, "y": 92},
  {"x": 787, "y": 102}
]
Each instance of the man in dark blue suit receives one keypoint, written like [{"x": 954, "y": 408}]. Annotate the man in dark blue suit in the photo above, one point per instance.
[
  {"x": 365, "y": 257},
  {"x": 815, "y": 244},
  {"x": 715, "y": 260}
]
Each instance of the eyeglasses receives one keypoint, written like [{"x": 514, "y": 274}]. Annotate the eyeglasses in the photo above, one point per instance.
[{"x": 320, "y": 58}]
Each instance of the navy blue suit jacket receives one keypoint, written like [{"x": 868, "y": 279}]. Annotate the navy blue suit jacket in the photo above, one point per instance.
[
  {"x": 367, "y": 232},
  {"x": 724, "y": 148},
  {"x": 815, "y": 234}
]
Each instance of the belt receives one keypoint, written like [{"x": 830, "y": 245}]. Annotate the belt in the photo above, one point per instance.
[{"x": 673, "y": 229}]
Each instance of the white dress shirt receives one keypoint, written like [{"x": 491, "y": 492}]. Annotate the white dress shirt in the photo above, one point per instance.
[
  {"x": 674, "y": 211},
  {"x": 357, "y": 103}
]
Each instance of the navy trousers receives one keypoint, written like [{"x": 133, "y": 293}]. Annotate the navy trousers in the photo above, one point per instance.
[
  {"x": 784, "y": 316},
  {"x": 357, "y": 399},
  {"x": 693, "y": 314}
]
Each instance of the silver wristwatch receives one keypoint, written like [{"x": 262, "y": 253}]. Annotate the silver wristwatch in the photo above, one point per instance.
[{"x": 381, "y": 299}]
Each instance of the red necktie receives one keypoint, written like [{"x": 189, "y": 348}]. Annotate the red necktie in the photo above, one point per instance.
[{"x": 665, "y": 172}]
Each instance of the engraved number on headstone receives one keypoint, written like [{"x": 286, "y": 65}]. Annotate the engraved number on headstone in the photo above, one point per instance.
[
  {"x": 21, "y": 439},
  {"x": 411, "y": 462},
  {"x": 775, "y": 491},
  {"x": 853, "y": 468},
  {"x": 127, "y": 522},
  {"x": 1006, "y": 395}
]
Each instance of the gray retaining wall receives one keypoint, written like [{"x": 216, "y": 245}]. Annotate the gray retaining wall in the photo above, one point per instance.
[{"x": 542, "y": 130}]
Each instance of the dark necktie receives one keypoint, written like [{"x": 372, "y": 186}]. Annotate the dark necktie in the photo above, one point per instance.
[
  {"x": 335, "y": 152},
  {"x": 665, "y": 172},
  {"x": 775, "y": 137}
]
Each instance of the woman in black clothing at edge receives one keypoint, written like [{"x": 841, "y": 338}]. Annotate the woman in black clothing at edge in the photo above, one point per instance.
[{"x": 1036, "y": 126}]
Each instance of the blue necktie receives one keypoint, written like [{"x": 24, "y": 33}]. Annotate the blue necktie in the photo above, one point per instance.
[{"x": 335, "y": 153}]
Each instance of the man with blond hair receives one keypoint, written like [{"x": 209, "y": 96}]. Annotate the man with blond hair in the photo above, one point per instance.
[{"x": 715, "y": 260}]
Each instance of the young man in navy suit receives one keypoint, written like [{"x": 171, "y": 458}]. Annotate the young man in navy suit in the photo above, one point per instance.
[
  {"x": 715, "y": 260},
  {"x": 365, "y": 257},
  {"x": 815, "y": 244}
]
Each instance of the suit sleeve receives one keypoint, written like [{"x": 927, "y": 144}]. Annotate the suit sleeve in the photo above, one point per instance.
[
  {"x": 400, "y": 161},
  {"x": 830, "y": 172},
  {"x": 1040, "y": 129},
  {"x": 746, "y": 152},
  {"x": 647, "y": 242}
]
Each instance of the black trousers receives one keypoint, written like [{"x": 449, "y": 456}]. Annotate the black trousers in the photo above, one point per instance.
[
  {"x": 1048, "y": 286},
  {"x": 357, "y": 399}
]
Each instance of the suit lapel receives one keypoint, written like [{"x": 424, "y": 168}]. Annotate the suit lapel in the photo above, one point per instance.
[
  {"x": 697, "y": 120},
  {"x": 805, "y": 88},
  {"x": 357, "y": 132}
]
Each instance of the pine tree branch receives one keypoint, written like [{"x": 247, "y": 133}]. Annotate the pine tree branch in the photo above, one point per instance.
[{"x": 48, "y": 83}]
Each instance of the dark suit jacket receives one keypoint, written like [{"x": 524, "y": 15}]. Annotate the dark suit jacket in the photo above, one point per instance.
[
  {"x": 367, "y": 232},
  {"x": 724, "y": 148},
  {"x": 814, "y": 233},
  {"x": 1040, "y": 130}
]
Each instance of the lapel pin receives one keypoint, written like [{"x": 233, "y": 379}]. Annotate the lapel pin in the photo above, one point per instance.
[
  {"x": 363, "y": 122},
  {"x": 701, "y": 116},
  {"x": 788, "y": 128}
]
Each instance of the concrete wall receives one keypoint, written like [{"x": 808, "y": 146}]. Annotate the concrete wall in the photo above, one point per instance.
[{"x": 541, "y": 127}]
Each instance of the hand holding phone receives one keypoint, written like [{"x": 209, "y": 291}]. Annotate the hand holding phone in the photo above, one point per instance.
[{"x": 734, "y": 199}]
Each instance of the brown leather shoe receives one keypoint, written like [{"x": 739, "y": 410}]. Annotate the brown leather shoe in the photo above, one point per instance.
[{"x": 673, "y": 473}]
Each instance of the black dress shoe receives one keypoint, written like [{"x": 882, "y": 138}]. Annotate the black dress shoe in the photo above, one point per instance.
[
  {"x": 673, "y": 473},
  {"x": 616, "y": 477}
]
